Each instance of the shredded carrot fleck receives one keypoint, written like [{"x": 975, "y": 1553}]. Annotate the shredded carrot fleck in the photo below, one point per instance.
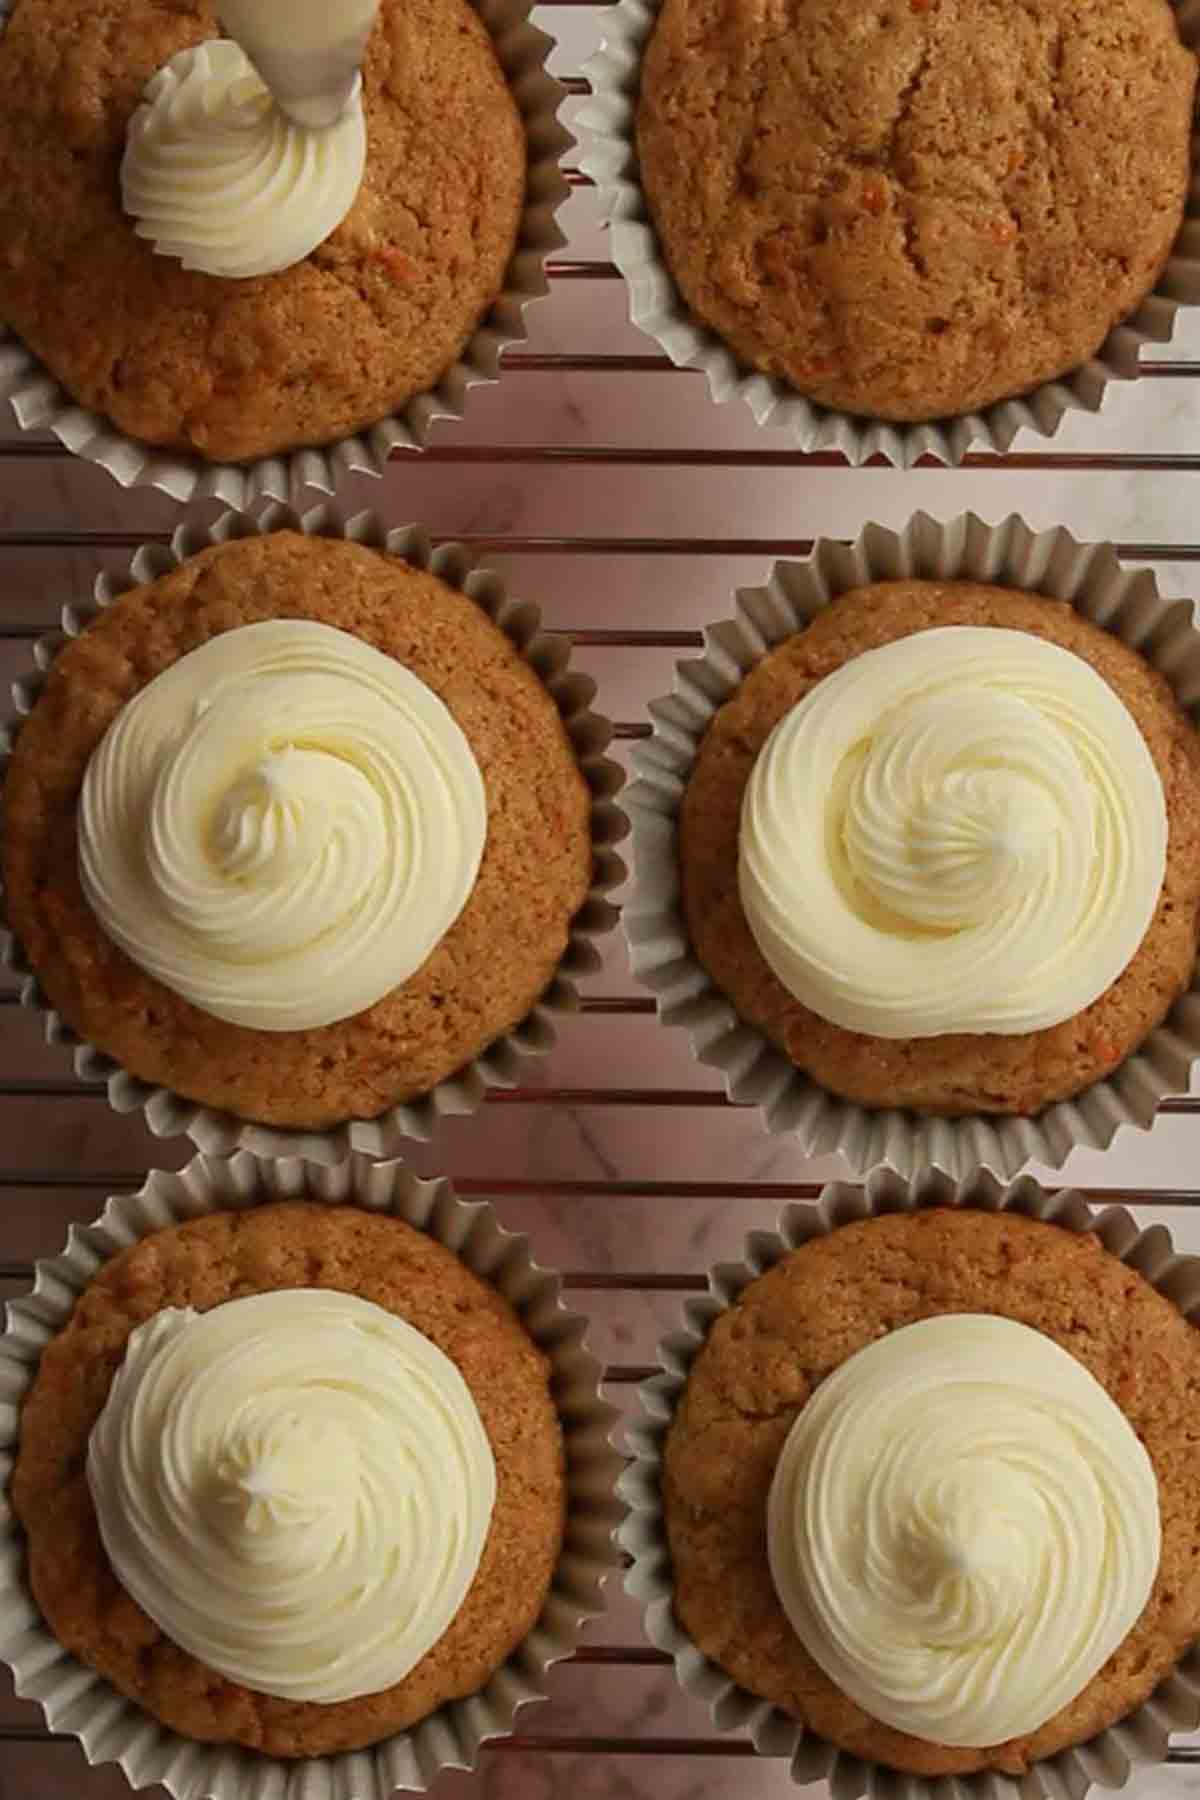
[
  {"x": 1003, "y": 230},
  {"x": 398, "y": 266},
  {"x": 874, "y": 197}
]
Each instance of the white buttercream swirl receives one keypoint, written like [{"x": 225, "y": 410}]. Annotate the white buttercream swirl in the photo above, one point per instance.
[
  {"x": 214, "y": 173},
  {"x": 962, "y": 1528},
  {"x": 282, "y": 825},
  {"x": 296, "y": 1487},
  {"x": 960, "y": 831}
]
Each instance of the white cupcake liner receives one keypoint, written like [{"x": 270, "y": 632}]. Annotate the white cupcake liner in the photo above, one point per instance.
[
  {"x": 1106, "y": 1760},
  {"x": 1089, "y": 576},
  {"x": 40, "y": 403},
  {"x": 110, "y": 1728},
  {"x": 658, "y": 308},
  {"x": 168, "y": 1114}
]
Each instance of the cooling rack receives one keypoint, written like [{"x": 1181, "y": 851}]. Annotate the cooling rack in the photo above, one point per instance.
[{"x": 614, "y": 494}]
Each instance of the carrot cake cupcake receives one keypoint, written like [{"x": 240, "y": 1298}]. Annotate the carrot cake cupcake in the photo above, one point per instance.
[
  {"x": 294, "y": 831},
  {"x": 932, "y": 1489},
  {"x": 291, "y": 1478},
  {"x": 912, "y": 211},
  {"x": 217, "y": 279},
  {"x": 942, "y": 847}
]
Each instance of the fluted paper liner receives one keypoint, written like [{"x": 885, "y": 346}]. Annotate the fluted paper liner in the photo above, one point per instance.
[
  {"x": 500, "y": 1065},
  {"x": 40, "y": 403},
  {"x": 1106, "y": 1760},
  {"x": 1124, "y": 601},
  {"x": 656, "y": 305},
  {"x": 112, "y": 1729}
]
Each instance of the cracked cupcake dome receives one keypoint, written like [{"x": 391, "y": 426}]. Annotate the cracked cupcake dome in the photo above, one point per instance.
[{"x": 912, "y": 210}]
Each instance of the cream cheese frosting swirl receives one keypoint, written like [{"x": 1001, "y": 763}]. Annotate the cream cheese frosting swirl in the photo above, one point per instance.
[
  {"x": 962, "y": 1527},
  {"x": 960, "y": 831},
  {"x": 296, "y": 1487},
  {"x": 214, "y": 173},
  {"x": 282, "y": 825}
]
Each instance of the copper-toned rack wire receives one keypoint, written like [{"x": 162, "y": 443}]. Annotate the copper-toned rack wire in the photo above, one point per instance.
[{"x": 15, "y": 1275}]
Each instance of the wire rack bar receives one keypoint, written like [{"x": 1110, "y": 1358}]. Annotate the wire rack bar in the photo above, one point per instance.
[
  {"x": 516, "y": 544},
  {"x": 37, "y": 1087},
  {"x": 601, "y": 1188},
  {"x": 564, "y": 1744},
  {"x": 566, "y": 362},
  {"x": 550, "y": 1743},
  {"x": 619, "y": 456},
  {"x": 1062, "y": 462}
]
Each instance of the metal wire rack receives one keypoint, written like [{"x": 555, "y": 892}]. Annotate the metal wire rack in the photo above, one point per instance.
[{"x": 624, "y": 1161}]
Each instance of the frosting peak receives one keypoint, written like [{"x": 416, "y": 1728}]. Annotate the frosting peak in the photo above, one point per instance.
[
  {"x": 281, "y": 816},
  {"x": 297, "y": 1488},
  {"x": 277, "y": 1472},
  {"x": 214, "y": 173},
  {"x": 282, "y": 825},
  {"x": 962, "y": 1527},
  {"x": 974, "y": 837},
  {"x": 960, "y": 831}
]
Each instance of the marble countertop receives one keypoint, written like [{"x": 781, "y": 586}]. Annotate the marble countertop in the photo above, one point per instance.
[{"x": 607, "y": 1182}]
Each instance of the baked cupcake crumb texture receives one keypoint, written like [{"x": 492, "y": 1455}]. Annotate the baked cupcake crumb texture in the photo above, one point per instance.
[{"x": 913, "y": 210}]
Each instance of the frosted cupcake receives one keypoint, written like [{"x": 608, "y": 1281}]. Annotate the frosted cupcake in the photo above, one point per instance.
[
  {"x": 273, "y": 1531},
  {"x": 919, "y": 1498},
  {"x": 303, "y": 1464},
  {"x": 296, "y": 833},
  {"x": 943, "y": 848},
  {"x": 224, "y": 281},
  {"x": 917, "y": 847}
]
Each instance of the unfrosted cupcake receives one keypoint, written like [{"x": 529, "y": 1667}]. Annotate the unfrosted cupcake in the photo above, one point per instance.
[
  {"x": 915, "y": 211},
  {"x": 296, "y": 831}
]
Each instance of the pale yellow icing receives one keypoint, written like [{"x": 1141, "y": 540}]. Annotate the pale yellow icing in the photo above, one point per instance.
[
  {"x": 962, "y": 1528},
  {"x": 282, "y": 825},
  {"x": 296, "y": 1487},
  {"x": 214, "y": 173},
  {"x": 960, "y": 831}
]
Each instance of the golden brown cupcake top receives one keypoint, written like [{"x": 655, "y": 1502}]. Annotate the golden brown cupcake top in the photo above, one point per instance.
[{"x": 914, "y": 208}]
